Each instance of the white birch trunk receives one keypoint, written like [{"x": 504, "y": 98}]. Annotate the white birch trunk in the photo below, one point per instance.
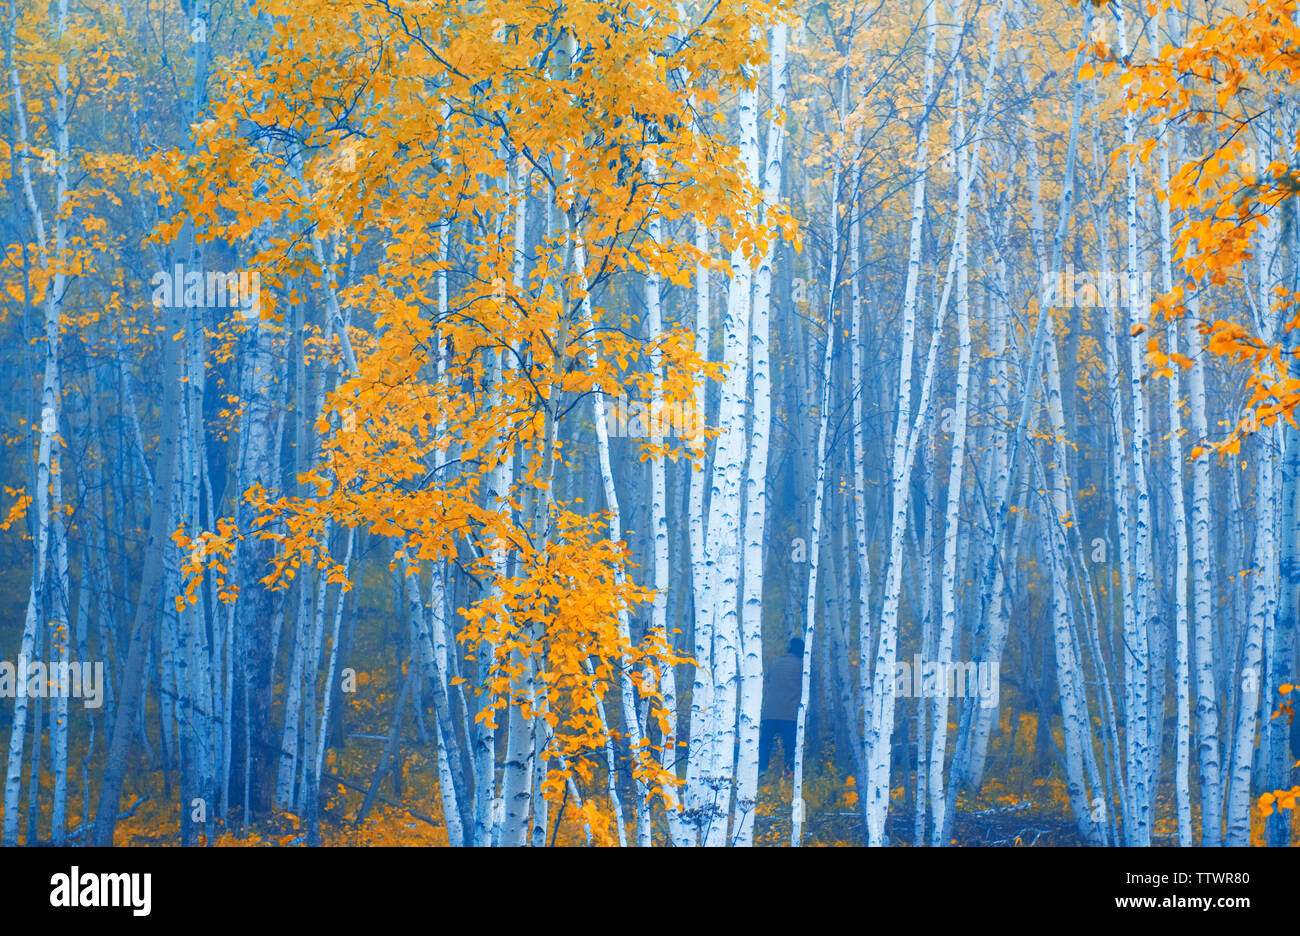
[
  {"x": 517, "y": 776},
  {"x": 1144, "y": 757},
  {"x": 631, "y": 724},
  {"x": 814, "y": 536},
  {"x": 51, "y": 395},
  {"x": 883, "y": 687},
  {"x": 751, "y": 667}
]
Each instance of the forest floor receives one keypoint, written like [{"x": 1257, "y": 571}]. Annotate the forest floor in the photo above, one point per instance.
[
  {"x": 1021, "y": 811},
  {"x": 997, "y": 827},
  {"x": 1036, "y": 816}
]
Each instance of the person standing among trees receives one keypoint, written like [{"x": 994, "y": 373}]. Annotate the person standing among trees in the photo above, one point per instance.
[{"x": 781, "y": 705}]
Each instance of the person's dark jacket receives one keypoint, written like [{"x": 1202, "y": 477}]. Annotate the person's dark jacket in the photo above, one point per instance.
[{"x": 784, "y": 686}]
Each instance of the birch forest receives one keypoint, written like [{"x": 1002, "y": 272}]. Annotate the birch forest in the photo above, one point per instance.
[{"x": 649, "y": 422}]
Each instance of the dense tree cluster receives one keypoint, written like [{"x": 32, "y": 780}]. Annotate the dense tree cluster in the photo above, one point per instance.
[{"x": 478, "y": 398}]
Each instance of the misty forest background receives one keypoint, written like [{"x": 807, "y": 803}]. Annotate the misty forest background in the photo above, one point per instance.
[{"x": 971, "y": 324}]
